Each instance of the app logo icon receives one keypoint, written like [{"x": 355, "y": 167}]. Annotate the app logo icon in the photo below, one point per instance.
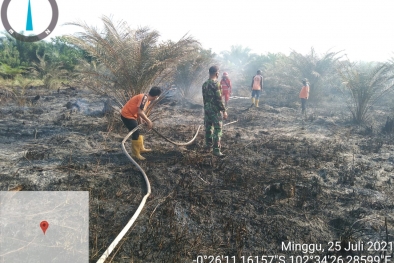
[{"x": 29, "y": 22}]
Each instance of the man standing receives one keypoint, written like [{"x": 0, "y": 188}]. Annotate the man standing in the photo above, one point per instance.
[
  {"x": 225, "y": 84},
  {"x": 257, "y": 86},
  {"x": 304, "y": 95},
  {"x": 132, "y": 111},
  {"x": 213, "y": 107}
]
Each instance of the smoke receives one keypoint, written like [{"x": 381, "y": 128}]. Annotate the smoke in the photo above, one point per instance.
[{"x": 85, "y": 107}]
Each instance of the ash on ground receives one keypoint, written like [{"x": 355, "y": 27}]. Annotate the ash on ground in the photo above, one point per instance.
[{"x": 284, "y": 178}]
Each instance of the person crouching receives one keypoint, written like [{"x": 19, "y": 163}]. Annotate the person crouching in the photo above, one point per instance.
[{"x": 134, "y": 110}]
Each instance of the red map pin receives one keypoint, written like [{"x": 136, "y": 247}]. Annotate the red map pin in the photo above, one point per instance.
[{"x": 44, "y": 226}]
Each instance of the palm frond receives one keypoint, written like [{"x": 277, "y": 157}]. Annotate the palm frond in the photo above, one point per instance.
[
  {"x": 131, "y": 60},
  {"x": 364, "y": 85}
]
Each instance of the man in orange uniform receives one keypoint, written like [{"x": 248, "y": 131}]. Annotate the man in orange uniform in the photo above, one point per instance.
[
  {"x": 225, "y": 83},
  {"x": 132, "y": 111},
  {"x": 257, "y": 86},
  {"x": 304, "y": 95}
]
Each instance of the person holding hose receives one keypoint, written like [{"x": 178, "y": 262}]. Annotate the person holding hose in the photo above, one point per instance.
[
  {"x": 225, "y": 83},
  {"x": 213, "y": 107},
  {"x": 134, "y": 110},
  {"x": 257, "y": 87}
]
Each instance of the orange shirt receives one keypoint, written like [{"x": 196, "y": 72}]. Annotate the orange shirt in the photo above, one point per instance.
[
  {"x": 257, "y": 82},
  {"x": 130, "y": 109},
  {"x": 304, "y": 93}
]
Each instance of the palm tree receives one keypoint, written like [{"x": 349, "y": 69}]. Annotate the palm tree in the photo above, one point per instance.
[
  {"x": 287, "y": 72},
  {"x": 236, "y": 61},
  {"x": 317, "y": 69},
  {"x": 237, "y": 57},
  {"x": 129, "y": 61},
  {"x": 52, "y": 73},
  {"x": 262, "y": 62},
  {"x": 364, "y": 84}
]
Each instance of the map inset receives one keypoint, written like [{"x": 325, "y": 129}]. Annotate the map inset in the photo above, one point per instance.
[{"x": 66, "y": 237}]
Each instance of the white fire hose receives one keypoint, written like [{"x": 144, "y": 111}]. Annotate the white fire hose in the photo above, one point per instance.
[{"x": 136, "y": 214}]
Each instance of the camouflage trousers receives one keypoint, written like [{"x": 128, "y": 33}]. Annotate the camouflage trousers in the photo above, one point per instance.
[{"x": 213, "y": 129}]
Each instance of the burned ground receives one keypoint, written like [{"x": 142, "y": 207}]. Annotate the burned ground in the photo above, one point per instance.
[{"x": 283, "y": 179}]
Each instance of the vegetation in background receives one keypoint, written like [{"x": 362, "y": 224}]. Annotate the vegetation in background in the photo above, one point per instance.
[
  {"x": 267, "y": 63},
  {"x": 191, "y": 73},
  {"x": 320, "y": 70},
  {"x": 10, "y": 60},
  {"x": 23, "y": 64},
  {"x": 120, "y": 62},
  {"x": 51, "y": 73},
  {"x": 129, "y": 61},
  {"x": 235, "y": 62},
  {"x": 364, "y": 84}
]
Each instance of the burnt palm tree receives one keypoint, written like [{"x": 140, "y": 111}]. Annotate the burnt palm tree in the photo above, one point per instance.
[{"x": 128, "y": 61}]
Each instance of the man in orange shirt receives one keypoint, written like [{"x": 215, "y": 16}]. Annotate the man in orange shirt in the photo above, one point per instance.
[
  {"x": 132, "y": 111},
  {"x": 304, "y": 95},
  {"x": 257, "y": 87}
]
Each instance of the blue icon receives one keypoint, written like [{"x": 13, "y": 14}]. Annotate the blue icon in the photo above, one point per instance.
[{"x": 29, "y": 22}]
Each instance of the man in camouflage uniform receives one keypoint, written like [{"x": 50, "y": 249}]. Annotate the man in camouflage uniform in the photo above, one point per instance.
[{"x": 213, "y": 106}]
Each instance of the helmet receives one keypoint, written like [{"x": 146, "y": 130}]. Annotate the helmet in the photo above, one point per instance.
[{"x": 225, "y": 74}]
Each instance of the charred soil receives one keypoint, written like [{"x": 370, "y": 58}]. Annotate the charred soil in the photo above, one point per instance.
[{"x": 284, "y": 178}]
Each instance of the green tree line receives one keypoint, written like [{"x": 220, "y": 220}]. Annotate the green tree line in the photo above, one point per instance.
[{"x": 121, "y": 61}]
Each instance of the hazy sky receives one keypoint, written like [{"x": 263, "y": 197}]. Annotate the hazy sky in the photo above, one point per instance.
[{"x": 364, "y": 29}]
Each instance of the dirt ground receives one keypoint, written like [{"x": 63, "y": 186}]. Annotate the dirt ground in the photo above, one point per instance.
[{"x": 284, "y": 179}]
